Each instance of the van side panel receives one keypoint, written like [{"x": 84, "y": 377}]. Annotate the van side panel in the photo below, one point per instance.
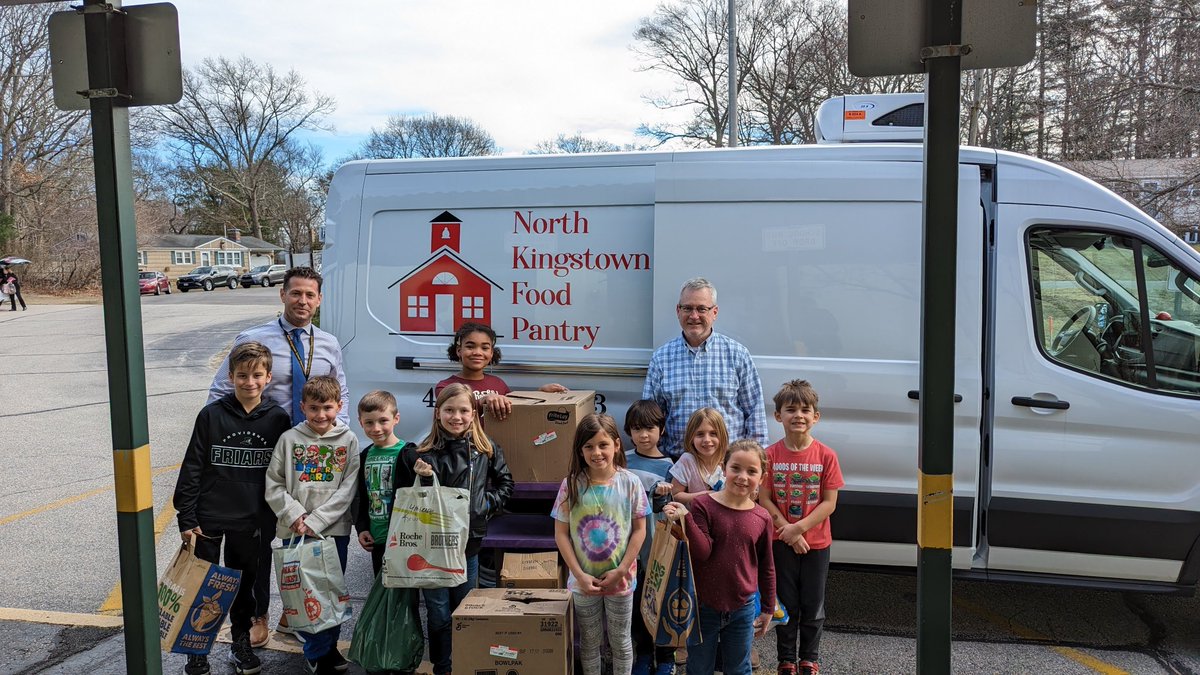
[
  {"x": 558, "y": 262},
  {"x": 818, "y": 272}
]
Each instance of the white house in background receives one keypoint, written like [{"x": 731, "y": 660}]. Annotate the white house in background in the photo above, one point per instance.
[
  {"x": 1168, "y": 189},
  {"x": 182, "y": 252}
]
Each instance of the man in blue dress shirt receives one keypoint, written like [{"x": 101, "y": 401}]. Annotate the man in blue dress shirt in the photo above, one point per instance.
[
  {"x": 702, "y": 368},
  {"x": 294, "y": 340}
]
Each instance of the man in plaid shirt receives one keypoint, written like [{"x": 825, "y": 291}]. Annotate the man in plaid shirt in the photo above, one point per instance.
[{"x": 704, "y": 368}]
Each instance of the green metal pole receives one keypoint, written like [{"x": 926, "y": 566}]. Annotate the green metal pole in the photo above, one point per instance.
[
  {"x": 939, "y": 249},
  {"x": 104, "y": 31}
]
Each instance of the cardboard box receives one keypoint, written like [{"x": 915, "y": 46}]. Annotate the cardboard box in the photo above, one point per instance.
[
  {"x": 532, "y": 570},
  {"x": 514, "y": 631},
  {"x": 537, "y": 435}
]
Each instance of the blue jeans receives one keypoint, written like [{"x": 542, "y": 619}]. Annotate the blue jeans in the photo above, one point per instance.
[
  {"x": 440, "y": 603},
  {"x": 317, "y": 645},
  {"x": 731, "y": 632}
]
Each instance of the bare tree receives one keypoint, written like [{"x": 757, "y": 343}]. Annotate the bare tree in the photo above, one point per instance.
[
  {"x": 773, "y": 46},
  {"x": 1003, "y": 109},
  {"x": 408, "y": 137},
  {"x": 791, "y": 57},
  {"x": 39, "y": 143},
  {"x": 687, "y": 39},
  {"x": 297, "y": 195},
  {"x": 233, "y": 121},
  {"x": 578, "y": 143}
]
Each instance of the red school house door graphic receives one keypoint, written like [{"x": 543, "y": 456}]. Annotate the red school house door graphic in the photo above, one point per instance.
[{"x": 444, "y": 292}]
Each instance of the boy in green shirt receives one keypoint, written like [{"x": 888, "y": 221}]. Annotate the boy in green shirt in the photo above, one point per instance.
[{"x": 378, "y": 416}]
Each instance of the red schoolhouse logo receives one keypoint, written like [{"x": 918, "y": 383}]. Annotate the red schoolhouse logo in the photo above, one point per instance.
[{"x": 444, "y": 292}]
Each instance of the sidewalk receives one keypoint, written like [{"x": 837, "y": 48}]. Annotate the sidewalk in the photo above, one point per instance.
[
  {"x": 96, "y": 645},
  {"x": 85, "y": 643}
]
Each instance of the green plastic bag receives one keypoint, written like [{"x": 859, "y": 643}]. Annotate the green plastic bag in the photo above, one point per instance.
[{"x": 388, "y": 634}]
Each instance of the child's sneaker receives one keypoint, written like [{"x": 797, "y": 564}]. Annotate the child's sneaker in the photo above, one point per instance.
[
  {"x": 245, "y": 661},
  {"x": 641, "y": 665},
  {"x": 786, "y": 668},
  {"x": 283, "y": 626},
  {"x": 334, "y": 661},
  {"x": 197, "y": 664},
  {"x": 808, "y": 668}
]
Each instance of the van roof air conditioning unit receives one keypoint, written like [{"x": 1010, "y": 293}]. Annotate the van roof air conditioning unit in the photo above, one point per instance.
[{"x": 871, "y": 118}]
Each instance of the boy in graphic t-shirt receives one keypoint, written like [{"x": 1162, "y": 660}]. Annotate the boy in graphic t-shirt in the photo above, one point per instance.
[
  {"x": 800, "y": 492},
  {"x": 378, "y": 416}
]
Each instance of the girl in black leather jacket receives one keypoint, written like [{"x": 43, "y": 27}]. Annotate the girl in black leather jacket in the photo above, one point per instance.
[{"x": 462, "y": 456}]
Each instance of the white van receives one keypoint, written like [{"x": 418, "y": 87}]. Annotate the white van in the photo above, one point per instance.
[{"x": 1078, "y": 352}]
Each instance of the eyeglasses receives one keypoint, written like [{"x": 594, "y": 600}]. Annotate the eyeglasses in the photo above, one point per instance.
[{"x": 702, "y": 310}]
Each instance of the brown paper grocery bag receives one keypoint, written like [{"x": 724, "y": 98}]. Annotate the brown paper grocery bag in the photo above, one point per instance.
[
  {"x": 194, "y": 596},
  {"x": 669, "y": 603}
]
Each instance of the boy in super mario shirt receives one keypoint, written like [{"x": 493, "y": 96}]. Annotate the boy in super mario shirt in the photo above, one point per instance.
[
  {"x": 219, "y": 492},
  {"x": 800, "y": 492},
  {"x": 311, "y": 484}
]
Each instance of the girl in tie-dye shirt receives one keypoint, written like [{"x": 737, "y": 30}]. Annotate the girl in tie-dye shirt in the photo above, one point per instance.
[{"x": 600, "y": 523}]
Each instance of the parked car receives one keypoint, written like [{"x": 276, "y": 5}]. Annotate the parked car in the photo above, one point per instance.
[
  {"x": 264, "y": 275},
  {"x": 154, "y": 282},
  {"x": 208, "y": 276}
]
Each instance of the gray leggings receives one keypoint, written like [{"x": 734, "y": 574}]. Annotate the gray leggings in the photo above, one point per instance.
[{"x": 591, "y": 612}]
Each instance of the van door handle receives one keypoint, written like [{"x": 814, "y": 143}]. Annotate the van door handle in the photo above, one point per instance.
[
  {"x": 1039, "y": 403},
  {"x": 916, "y": 396}
]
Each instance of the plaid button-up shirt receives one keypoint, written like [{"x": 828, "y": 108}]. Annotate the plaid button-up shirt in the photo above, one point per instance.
[{"x": 718, "y": 374}]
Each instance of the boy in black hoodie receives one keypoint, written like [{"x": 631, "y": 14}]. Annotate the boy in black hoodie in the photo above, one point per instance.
[{"x": 220, "y": 491}]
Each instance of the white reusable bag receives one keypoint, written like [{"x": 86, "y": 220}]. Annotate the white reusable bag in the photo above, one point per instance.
[
  {"x": 311, "y": 585},
  {"x": 427, "y": 537}
]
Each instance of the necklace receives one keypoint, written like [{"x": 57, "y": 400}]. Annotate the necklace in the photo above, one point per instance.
[
  {"x": 592, "y": 487},
  {"x": 306, "y": 368}
]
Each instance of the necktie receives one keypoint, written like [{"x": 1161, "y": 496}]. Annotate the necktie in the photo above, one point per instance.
[{"x": 298, "y": 377}]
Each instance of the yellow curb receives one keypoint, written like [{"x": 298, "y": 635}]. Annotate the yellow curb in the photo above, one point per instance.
[
  {"x": 59, "y": 618},
  {"x": 1082, "y": 658}
]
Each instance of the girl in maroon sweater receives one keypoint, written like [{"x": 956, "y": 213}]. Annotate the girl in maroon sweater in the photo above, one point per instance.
[{"x": 729, "y": 537}]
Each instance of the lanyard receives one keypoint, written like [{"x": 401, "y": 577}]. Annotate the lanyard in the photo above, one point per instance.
[{"x": 306, "y": 368}]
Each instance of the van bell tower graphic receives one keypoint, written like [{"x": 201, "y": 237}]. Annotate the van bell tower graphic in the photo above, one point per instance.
[{"x": 444, "y": 292}]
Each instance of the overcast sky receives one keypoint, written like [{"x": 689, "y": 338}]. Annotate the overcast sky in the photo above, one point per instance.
[{"x": 525, "y": 70}]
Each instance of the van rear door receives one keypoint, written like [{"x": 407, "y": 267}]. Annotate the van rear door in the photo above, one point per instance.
[{"x": 818, "y": 270}]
